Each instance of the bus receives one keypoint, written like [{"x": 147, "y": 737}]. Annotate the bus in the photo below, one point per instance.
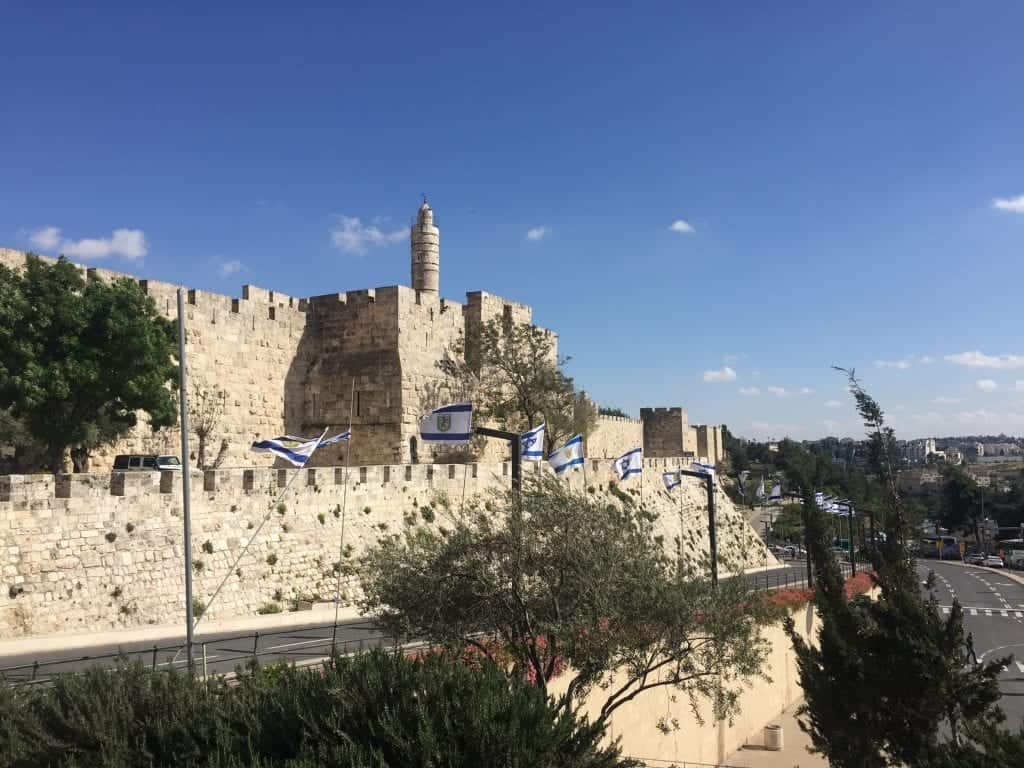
[{"x": 944, "y": 547}]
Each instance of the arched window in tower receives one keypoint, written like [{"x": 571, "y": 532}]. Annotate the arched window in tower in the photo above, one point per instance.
[{"x": 414, "y": 456}]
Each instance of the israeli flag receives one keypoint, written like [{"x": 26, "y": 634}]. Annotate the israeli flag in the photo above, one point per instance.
[
  {"x": 819, "y": 499},
  {"x": 532, "y": 444},
  {"x": 671, "y": 480},
  {"x": 739, "y": 483},
  {"x": 568, "y": 456},
  {"x": 629, "y": 464},
  {"x": 296, "y": 450},
  {"x": 760, "y": 489},
  {"x": 776, "y": 493},
  {"x": 449, "y": 424},
  {"x": 704, "y": 469}
]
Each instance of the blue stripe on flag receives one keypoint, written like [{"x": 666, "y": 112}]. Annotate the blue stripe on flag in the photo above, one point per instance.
[{"x": 571, "y": 463}]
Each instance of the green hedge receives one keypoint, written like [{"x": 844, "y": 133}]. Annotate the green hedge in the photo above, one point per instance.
[{"x": 378, "y": 709}]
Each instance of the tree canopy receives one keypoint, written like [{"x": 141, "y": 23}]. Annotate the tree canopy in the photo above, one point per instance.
[
  {"x": 515, "y": 379},
  {"x": 79, "y": 357},
  {"x": 890, "y": 682},
  {"x": 572, "y": 579}
]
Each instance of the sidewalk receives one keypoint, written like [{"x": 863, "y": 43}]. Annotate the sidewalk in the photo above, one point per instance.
[
  {"x": 321, "y": 613},
  {"x": 793, "y": 754}
]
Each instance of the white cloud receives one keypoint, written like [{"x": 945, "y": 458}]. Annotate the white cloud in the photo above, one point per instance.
[
  {"x": 349, "y": 234},
  {"x": 537, "y": 233},
  {"x": 750, "y": 391},
  {"x": 926, "y": 359},
  {"x": 46, "y": 239},
  {"x": 831, "y": 425},
  {"x": 1018, "y": 385},
  {"x": 832, "y": 403},
  {"x": 900, "y": 364},
  {"x": 126, "y": 243},
  {"x": 227, "y": 268},
  {"x": 724, "y": 374},
  {"x": 978, "y": 359},
  {"x": 927, "y": 417},
  {"x": 1011, "y": 204},
  {"x": 682, "y": 226},
  {"x": 779, "y": 391},
  {"x": 986, "y": 385},
  {"x": 943, "y": 400},
  {"x": 806, "y": 391}
]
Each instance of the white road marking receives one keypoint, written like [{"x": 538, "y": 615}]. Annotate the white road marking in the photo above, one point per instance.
[
  {"x": 320, "y": 640},
  {"x": 185, "y": 661},
  {"x": 1020, "y": 666}
]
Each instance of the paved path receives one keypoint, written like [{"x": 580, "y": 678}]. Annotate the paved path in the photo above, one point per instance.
[{"x": 993, "y": 602}]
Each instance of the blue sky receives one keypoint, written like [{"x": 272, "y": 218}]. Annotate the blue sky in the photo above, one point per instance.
[{"x": 724, "y": 199}]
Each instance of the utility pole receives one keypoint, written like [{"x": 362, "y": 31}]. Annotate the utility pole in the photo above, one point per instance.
[
  {"x": 712, "y": 532},
  {"x": 186, "y": 485},
  {"x": 515, "y": 444}
]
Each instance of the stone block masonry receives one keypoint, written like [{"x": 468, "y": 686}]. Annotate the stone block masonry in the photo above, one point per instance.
[{"x": 98, "y": 551}]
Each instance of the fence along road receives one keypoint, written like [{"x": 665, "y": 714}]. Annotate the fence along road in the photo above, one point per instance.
[{"x": 220, "y": 653}]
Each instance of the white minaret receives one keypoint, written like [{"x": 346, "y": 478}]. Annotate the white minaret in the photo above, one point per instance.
[{"x": 425, "y": 245}]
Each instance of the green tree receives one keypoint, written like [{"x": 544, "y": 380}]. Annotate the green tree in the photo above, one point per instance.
[
  {"x": 889, "y": 677},
  {"x": 608, "y": 410},
  {"x": 80, "y": 357},
  {"x": 789, "y": 525},
  {"x": 960, "y": 500},
  {"x": 573, "y": 579},
  {"x": 515, "y": 379}
]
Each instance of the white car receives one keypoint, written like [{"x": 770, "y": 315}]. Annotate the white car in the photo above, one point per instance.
[
  {"x": 974, "y": 559},
  {"x": 991, "y": 561}
]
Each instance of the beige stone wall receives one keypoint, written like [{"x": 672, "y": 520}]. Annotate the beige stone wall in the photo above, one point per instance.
[
  {"x": 760, "y": 704},
  {"x": 613, "y": 436},
  {"x": 245, "y": 348},
  {"x": 94, "y": 551},
  {"x": 295, "y": 366}
]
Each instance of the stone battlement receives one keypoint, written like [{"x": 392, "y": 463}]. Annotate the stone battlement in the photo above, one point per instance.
[{"x": 93, "y": 551}]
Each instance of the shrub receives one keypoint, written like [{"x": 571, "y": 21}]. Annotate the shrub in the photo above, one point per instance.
[
  {"x": 374, "y": 709},
  {"x": 281, "y": 508},
  {"x": 322, "y": 518},
  {"x": 208, "y": 547},
  {"x": 272, "y": 559},
  {"x": 268, "y": 608},
  {"x": 111, "y": 537},
  {"x": 130, "y": 527},
  {"x": 198, "y": 607}
]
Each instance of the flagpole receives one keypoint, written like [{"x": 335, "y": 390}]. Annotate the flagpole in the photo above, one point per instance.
[
  {"x": 344, "y": 509},
  {"x": 186, "y": 487},
  {"x": 255, "y": 533}
]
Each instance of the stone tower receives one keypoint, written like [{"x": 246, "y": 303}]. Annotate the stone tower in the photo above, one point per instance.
[{"x": 425, "y": 244}]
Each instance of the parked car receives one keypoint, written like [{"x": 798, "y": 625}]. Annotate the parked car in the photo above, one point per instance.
[
  {"x": 974, "y": 558},
  {"x": 145, "y": 463},
  {"x": 992, "y": 561}
]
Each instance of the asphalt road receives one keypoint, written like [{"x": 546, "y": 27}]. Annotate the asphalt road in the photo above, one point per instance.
[
  {"x": 224, "y": 651},
  {"x": 994, "y": 614},
  {"x": 227, "y": 650}
]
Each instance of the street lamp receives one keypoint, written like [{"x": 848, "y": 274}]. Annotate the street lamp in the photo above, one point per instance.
[{"x": 709, "y": 480}]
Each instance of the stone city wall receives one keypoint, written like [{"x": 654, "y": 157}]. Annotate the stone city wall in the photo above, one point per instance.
[
  {"x": 281, "y": 365},
  {"x": 86, "y": 552},
  {"x": 612, "y": 436},
  {"x": 665, "y": 432}
]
